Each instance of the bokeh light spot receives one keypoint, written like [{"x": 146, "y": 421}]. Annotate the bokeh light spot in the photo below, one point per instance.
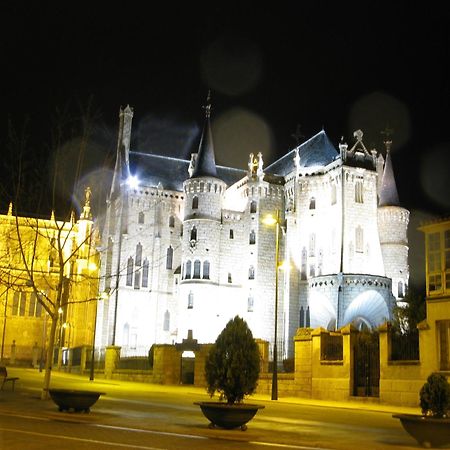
[
  {"x": 231, "y": 65},
  {"x": 239, "y": 132}
]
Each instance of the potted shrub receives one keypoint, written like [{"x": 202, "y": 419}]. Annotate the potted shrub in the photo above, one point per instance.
[
  {"x": 432, "y": 428},
  {"x": 232, "y": 370}
]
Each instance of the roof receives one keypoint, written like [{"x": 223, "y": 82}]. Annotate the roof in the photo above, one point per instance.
[
  {"x": 317, "y": 151},
  {"x": 172, "y": 172},
  {"x": 388, "y": 191}
]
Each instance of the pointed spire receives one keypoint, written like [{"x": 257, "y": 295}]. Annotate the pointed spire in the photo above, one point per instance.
[
  {"x": 86, "y": 214},
  {"x": 205, "y": 164},
  {"x": 10, "y": 208},
  {"x": 388, "y": 191}
]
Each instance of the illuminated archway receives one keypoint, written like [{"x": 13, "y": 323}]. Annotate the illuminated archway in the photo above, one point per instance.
[
  {"x": 367, "y": 309},
  {"x": 321, "y": 310}
]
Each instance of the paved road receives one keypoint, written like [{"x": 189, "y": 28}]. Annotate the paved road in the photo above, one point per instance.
[{"x": 142, "y": 416}]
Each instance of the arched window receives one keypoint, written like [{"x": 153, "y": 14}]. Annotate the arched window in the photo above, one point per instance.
[
  {"x": 190, "y": 300},
  {"x": 359, "y": 239},
  {"x": 304, "y": 264},
  {"x": 230, "y": 280},
  {"x": 194, "y": 234},
  {"x": 166, "y": 324},
  {"x": 251, "y": 273},
  {"x": 138, "y": 254},
  {"x": 252, "y": 237},
  {"x": 137, "y": 279},
  {"x": 231, "y": 234},
  {"x": 195, "y": 202},
  {"x": 171, "y": 221},
  {"x": 169, "y": 258},
  {"x": 141, "y": 217},
  {"x": 312, "y": 244},
  {"x": 250, "y": 303},
  {"x": 188, "y": 269},
  {"x": 253, "y": 207},
  {"x": 359, "y": 191},
  {"x": 145, "y": 267},
  {"x": 206, "y": 270},
  {"x": 312, "y": 203},
  {"x": 401, "y": 292},
  {"x": 197, "y": 267},
  {"x": 130, "y": 266}
]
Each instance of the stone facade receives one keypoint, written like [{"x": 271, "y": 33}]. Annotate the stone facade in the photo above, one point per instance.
[{"x": 189, "y": 247}]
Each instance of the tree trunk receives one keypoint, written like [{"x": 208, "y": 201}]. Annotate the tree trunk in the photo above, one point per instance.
[{"x": 49, "y": 358}]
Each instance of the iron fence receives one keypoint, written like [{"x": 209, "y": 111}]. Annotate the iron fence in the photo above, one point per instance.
[
  {"x": 331, "y": 347},
  {"x": 404, "y": 346}
]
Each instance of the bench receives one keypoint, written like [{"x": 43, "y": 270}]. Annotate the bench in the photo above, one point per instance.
[{"x": 4, "y": 378}]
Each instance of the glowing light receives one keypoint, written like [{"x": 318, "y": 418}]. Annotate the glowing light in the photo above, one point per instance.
[
  {"x": 133, "y": 181},
  {"x": 92, "y": 267},
  {"x": 269, "y": 220}
]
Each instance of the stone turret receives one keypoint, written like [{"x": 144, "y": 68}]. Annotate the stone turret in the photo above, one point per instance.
[{"x": 393, "y": 226}]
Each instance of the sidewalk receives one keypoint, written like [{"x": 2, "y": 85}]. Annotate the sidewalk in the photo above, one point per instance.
[{"x": 31, "y": 380}]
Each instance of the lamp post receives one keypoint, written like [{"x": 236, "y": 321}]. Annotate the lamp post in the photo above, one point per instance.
[
  {"x": 270, "y": 220},
  {"x": 102, "y": 296}
]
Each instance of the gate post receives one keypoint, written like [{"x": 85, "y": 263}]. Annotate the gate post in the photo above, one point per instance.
[
  {"x": 349, "y": 333},
  {"x": 303, "y": 362}
]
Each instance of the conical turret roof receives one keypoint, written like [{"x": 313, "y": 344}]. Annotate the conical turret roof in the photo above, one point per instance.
[
  {"x": 205, "y": 164},
  {"x": 388, "y": 191}
]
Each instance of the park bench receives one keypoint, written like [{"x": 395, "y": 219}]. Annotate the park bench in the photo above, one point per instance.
[{"x": 4, "y": 378}]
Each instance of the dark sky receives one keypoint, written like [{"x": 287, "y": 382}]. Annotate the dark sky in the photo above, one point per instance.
[{"x": 319, "y": 64}]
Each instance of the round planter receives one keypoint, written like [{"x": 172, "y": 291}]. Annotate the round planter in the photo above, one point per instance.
[
  {"x": 228, "y": 416},
  {"x": 428, "y": 431},
  {"x": 77, "y": 400}
]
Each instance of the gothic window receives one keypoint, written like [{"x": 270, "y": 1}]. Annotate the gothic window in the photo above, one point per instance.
[
  {"x": 169, "y": 258},
  {"x": 333, "y": 194},
  {"x": 206, "y": 270},
  {"x": 359, "y": 239},
  {"x": 251, "y": 273},
  {"x": 38, "y": 309},
  {"x": 252, "y": 237},
  {"x": 188, "y": 269},
  {"x": 312, "y": 270},
  {"x": 195, "y": 203},
  {"x": 304, "y": 264},
  {"x": 312, "y": 203},
  {"x": 231, "y": 234},
  {"x": 166, "y": 324},
  {"x": 230, "y": 280},
  {"x": 190, "y": 300},
  {"x": 145, "y": 267},
  {"x": 138, "y": 254},
  {"x": 194, "y": 234},
  {"x": 197, "y": 267},
  {"x": 130, "y": 265},
  {"x": 32, "y": 304},
  {"x": 171, "y": 222},
  {"x": 301, "y": 321},
  {"x": 16, "y": 301},
  {"x": 250, "y": 303},
  {"x": 141, "y": 218},
  {"x": 23, "y": 303},
  {"x": 137, "y": 279},
  {"x": 400, "y": 291},
  {"x": 312, "y": 244},
  {"x": 359, "y": 192},
  {"x": 253, "y": 207}
]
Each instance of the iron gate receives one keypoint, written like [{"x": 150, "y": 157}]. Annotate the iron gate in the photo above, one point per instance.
[{"x": 366, "y": 375}]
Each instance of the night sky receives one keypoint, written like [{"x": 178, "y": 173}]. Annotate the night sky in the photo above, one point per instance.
[{"x": 310, "y": 65}]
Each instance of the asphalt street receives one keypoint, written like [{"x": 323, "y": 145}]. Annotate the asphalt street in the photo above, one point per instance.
[{"x": 155, "y": 417}]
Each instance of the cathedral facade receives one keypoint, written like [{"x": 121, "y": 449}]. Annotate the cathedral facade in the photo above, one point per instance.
[{"x": 189, "y": 244}]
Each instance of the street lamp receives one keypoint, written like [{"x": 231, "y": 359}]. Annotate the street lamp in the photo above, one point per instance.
[
  {"x": 103, "y": 296},
  {"x": 270, "y": 220}
]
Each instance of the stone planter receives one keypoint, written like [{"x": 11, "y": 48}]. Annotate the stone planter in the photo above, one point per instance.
[
  {"x": 77, "y": 400},
  {"x": 223, "y": 415},
  {"x": 427, "y": 431}
]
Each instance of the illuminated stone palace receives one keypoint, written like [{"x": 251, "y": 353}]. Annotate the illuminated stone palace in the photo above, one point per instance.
[{"x": 186, "y": 244}]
